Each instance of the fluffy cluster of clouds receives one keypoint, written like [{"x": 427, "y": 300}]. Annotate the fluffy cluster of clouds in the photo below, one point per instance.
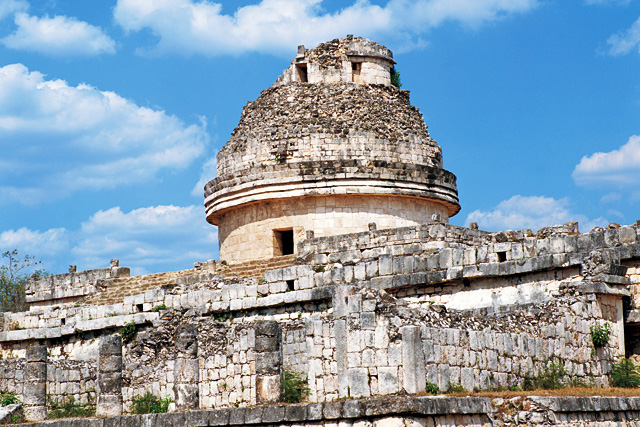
[
  {"x": 58, "y": 35},
  {"x": 531, "y": 212},
  {"x": 69, "y": 138},
  {"x": 186, "y": 26},
  {"x": 158, "y": 238},
  {"x": 201, "y": 27},
  {"x": 618, "y": 168}
]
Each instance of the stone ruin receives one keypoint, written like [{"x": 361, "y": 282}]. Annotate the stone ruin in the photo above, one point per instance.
[{"x": 339, "y": 263}]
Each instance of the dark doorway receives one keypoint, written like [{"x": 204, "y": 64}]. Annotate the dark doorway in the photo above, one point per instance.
[
  {"x": 284, "y": 242},
  {"x": 302, "y": 72}
]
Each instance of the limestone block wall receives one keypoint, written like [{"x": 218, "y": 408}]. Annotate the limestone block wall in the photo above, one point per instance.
[
  {"x": 72, "y": 378},
  {"x": 249, "y": 232},
  {"x": 359, "y": 341},
  {"x": 69, "y": 287},
  {"x": 12, "y": 375},
  {"x": 401, "y": 411},
  {"x": 348, "y": 59},
  {"x": 383, "y": 312},
  {"x": 355, "y": 68}
]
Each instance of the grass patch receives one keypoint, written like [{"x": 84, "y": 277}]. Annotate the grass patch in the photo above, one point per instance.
[
  {"x": 553, "y": 377},
  {"x": 7, "y": 399},
  {"x": 150, "y": 404},
  {"x": 70, "y": 409}
]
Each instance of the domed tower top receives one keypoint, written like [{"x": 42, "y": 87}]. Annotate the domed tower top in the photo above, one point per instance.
[
  {"x": 350, "y": 59},
  {"x": 331, "y": 147}
]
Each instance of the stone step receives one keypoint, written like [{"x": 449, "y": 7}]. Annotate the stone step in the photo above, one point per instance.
[{"x": 120, "y": 287}]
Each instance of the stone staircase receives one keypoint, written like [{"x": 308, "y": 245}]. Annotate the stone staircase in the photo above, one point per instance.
[
  {"x": 122, "y": 287},
  {"x": 257, "y": 268}
]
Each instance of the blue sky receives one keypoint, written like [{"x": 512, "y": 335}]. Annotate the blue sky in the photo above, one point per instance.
[{"x": 111, "y": 112}]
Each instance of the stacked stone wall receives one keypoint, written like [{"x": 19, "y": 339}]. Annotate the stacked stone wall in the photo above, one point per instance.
[
  {"x": 401, "y": 411},
  {"x": 248, "y": 233},
  {"x": 351, "y": 334},
  {"x": 331, "y": 62},
  {"x": 70, "y": 287}
]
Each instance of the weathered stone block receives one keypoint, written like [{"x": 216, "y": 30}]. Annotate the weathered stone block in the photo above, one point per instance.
[
  {"x": 359, "y": 382},
  {"x": 109, "y": 383},
  {"x": 220, "y": 417},
  {"x": 186, "y": 396},
  {"x": 268, "y": 388},
  {"x": 109, "y": 405},
  {"x": 36, "y": 353},
  {"x": 388, "y": 380},
  {"x": 295, "y": 412},
  {"x": 109, "y": 363},
  {"x": 35, "y": 394},
  {"x": 186, "y": 370},
  {"x": 35, "y": 372}
]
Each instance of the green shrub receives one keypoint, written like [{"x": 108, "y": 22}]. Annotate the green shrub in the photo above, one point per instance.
[
  {"x": 554, "y": 376},
  {"x": 159, "y": 307},
  {"x": 295, "y": 387},
  {"x": 395, "y": 78},
  {"x": 455, "y": 388},
  {"x": 150, "y": 404},
  {"x": 600, "y": 335},
  {"x": 625, "y": 374},
  {"x": 70, "y": 409},
  {"x": 432, "y": 388},
  {"x": 8, "y": 399},
  {"x": 128, "y": 331}
]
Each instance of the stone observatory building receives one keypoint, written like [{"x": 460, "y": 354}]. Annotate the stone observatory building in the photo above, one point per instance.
[{"x": 331, "y": 147}]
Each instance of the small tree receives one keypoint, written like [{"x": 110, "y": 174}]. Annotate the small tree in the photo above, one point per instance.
[{"x": 13, "y": 280}]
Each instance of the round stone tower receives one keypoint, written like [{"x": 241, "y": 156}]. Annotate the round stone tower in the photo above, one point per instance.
[{"x": 331, "y": 147}]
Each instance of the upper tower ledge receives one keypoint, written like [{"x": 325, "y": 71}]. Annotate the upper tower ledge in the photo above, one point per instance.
[{"x": 349, "y": 59}]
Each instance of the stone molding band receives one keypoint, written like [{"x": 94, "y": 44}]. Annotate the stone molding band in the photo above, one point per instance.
[{"x": 328, "y": 178}]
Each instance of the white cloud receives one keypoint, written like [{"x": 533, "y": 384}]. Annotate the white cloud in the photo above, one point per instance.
[
  {"x": 209, "y": 172},
  {"x": 159, "y": 238},
  {"x": 82, "y": 138},
  {"x": 150, "y": 239},
  {"x": 190, "y": 27},
  {"x": 619, "y": 167},
  {"x": 611, "y": 197},
  {"x": 620, "y": 44},
  {"x": 30, "y": 242},
  {"x": 607, "y": 2},
  {"x": 9, "y": 7},
  {"x": 59, "y": 35},
  {"x": 44, "y": 247},
  {"x": 534, "y": 212}
]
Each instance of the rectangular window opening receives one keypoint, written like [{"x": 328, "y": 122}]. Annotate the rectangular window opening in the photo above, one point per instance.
[
  {"x": 502, "y": 256},
  {"x": 139, "y": 308},
  {"x": 283, "y": 242},
  {"x": 290, "y": 285},
  {"x": 356, "y": 67},
  {"x": 302, "y": 73}
]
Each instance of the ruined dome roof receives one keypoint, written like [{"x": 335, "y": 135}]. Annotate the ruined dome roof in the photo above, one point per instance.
[{"x": 301, "y": 121}]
